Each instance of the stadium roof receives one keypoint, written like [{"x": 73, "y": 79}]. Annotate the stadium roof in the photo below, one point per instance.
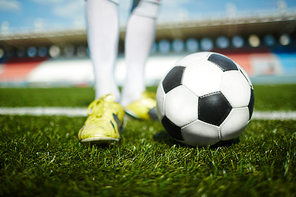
[{"x": 260, "y": 25}]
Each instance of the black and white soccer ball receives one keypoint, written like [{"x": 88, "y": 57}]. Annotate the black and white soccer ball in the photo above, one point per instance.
[{"x": 205, "y": 98}]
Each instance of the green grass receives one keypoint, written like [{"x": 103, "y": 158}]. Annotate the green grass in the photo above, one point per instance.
[
  {"x": 275, "y": 97},
  {"x": 41, "y": 156},
  {"x": 267, "y": 98}
]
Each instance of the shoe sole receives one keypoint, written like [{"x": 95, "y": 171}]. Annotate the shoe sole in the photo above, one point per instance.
[{"x": 99, "y": 140}]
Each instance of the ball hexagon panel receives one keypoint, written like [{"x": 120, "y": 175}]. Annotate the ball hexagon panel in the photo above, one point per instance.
[
  {"x": 181, "y": 106},
  {"x": 235, "y": 123},
  {"x": 223, "y": 62},
  {"x": 213, "y": 108},
  {"x": 202, "y": 78},
  {"x": 189, "y": 59},
  {"x": 171, "y": 128},
  {"x": 200, "y": 133},
  {"x": 160, "y": 95},
  {"x": 173, "y": 78},
  {"x": 236, "y": 88}
]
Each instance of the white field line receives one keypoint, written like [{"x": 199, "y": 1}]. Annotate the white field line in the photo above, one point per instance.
[
  {"x": 82, "y": 112},
  {"x": 44, "y": 111},
  {"x": 274, "y": 115}
]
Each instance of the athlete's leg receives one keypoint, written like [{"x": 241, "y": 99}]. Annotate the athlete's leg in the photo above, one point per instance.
[
  {"x": 105, "y": 114},
  {"x": 102, "y": 33},
  {"x": 140, "y": 36}
]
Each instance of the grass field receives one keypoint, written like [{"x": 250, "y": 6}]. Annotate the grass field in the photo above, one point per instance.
[{"x": 41, "y": 155}]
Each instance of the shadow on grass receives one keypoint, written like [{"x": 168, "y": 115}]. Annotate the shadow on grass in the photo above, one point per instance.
[
  {"x": 164, "y": 137},
  {"x": 226, "y": 143},
  {"x": 101, "y": 145}
]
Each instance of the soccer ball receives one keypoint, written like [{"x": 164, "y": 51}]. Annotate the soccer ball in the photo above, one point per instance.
[{"x": 205, "y": 98}]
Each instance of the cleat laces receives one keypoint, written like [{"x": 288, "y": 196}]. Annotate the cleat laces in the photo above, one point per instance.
[{"x": 99, "y": 110}]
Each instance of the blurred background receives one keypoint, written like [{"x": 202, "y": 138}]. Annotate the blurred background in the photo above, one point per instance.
[{"x": 44, "y": 43}]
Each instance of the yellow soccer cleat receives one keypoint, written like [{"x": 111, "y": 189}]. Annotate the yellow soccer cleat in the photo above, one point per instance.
[
  {"x": 144, "y": 108},
  {"x": 104, "y": 122}
]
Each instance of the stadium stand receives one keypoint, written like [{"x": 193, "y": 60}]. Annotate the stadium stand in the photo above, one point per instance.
[{"x": 263, "y": 44}]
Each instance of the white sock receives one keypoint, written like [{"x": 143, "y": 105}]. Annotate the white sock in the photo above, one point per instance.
[
  {"x": 103, "y": 34},
  {"x": 140, "y": 35}
]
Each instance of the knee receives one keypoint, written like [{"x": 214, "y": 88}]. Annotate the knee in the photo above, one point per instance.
[
  {"x": 147, "y": 8},
  {"x": 114, "y": 1}
]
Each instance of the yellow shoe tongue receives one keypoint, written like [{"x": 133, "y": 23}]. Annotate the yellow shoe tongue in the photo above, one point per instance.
[{"x": 96, "y": 108}]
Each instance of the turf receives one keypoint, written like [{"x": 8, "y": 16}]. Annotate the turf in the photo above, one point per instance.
[
  {"x": 267, "y": 97},
  {"x": 41, "y": 156}
]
